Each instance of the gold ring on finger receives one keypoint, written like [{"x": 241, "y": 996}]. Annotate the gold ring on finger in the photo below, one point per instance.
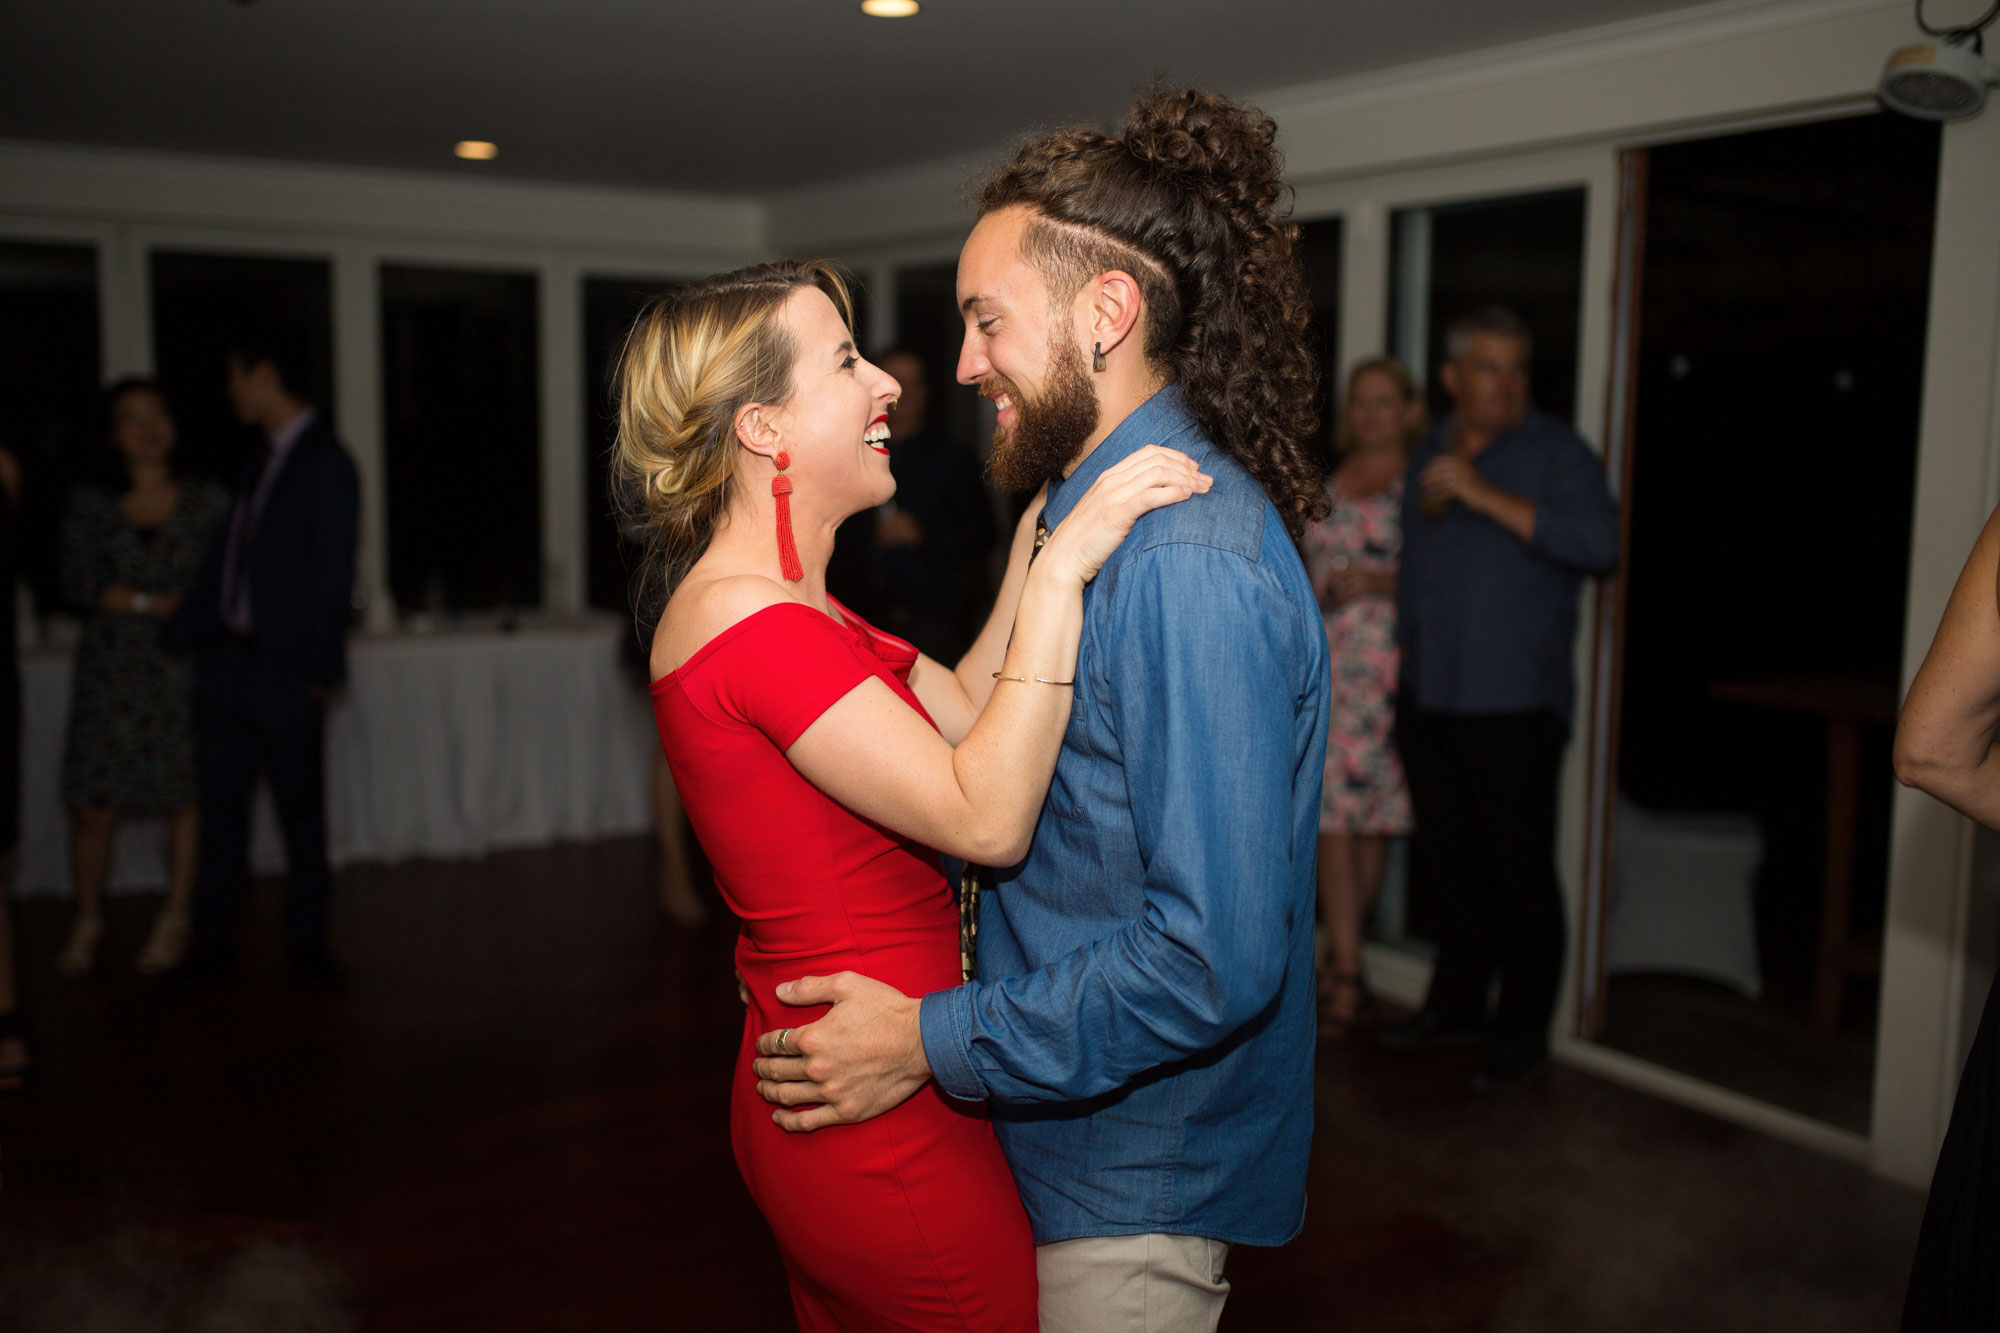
[{"x": 784, "y": 1046}]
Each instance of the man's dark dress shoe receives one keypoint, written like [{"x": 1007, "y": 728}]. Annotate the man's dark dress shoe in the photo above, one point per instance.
[{"x": 1427, "y": 1032}]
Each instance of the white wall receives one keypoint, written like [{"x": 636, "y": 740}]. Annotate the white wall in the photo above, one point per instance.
[
  {"x": 1723, "y": 65},
  {"x": 265, "y": 198}
]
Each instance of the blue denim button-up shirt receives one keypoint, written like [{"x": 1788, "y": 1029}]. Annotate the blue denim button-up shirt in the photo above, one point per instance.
[{"x": 1142, "y": 1022}]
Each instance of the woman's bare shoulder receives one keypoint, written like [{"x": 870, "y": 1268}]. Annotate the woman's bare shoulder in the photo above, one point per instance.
[{"x": 702, "y": 608}]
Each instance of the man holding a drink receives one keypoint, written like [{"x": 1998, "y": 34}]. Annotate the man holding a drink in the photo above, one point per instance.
[{"x": 1506, "y": 512}]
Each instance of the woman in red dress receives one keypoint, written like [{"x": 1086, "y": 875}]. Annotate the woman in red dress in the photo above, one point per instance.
[{"x": 824, "y": 764}]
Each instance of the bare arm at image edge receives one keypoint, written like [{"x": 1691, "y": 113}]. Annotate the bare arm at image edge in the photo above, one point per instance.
[{"x": 1945, "y": 741}]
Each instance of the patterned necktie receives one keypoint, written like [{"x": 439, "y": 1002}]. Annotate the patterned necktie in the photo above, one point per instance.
[{"x": 975, "y": 879}]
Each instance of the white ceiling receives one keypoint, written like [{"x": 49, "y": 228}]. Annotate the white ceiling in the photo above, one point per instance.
[{"x": 735, "y": 96}]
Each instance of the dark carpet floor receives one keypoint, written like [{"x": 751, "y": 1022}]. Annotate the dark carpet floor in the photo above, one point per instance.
[{"x": 514, "y": 1119}]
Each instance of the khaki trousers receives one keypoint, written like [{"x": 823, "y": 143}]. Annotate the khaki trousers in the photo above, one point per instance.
[{"x": 1153, "y": 1283}]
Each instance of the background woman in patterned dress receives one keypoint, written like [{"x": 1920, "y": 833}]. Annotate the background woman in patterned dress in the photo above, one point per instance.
[
  {"x": 1352, "y": 558},
  {"x": 129, "y": 550}
]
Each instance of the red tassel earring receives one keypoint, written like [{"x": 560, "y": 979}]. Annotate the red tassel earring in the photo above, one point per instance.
[{"x": 788, "y": 548}]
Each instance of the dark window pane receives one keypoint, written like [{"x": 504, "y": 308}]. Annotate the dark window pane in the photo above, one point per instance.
[
  {"x": 609, "y": 306},
  {"x": 1524, "y": 253},
  {"x": 201, "y": 302},
  {"x": 1784, "y": 299},
  {"x": 461, "y": 404},
  {"x": 927, "y": 320},
  {"x": 1320, "y": 256},
  {"x": 49, "y": 376}
]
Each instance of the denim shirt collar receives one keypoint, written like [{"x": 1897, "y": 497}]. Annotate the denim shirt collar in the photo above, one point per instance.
[{"x": 1161, "y": 419}]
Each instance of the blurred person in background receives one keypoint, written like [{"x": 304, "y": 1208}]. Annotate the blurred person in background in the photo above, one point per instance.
[
  {"x": 13, "y": 1048},
  {"x": 269, "y": 624},
  {"x": 932, "y": 541},
  {"x": 1945, "y": 746},
  {"x": 1505, "y": 512},
  {"x": 132, "y": 544},
  {"x": 1351, "y": 556}
]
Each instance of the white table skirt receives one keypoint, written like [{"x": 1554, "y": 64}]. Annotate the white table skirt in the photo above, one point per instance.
[{"x": 446, "y": 745}]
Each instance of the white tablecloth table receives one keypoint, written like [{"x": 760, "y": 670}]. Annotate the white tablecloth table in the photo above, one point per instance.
[{"x": 448, "y": 745}]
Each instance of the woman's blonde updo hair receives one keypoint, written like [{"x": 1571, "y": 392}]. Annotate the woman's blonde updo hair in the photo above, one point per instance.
[{"x": 695, "y": 357}]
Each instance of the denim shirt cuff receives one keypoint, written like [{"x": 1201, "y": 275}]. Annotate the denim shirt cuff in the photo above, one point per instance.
[{"x": 945, "y": 1019}]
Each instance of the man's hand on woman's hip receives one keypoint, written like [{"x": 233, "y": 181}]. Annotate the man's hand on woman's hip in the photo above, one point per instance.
[{"x": 864, "y": 1057}]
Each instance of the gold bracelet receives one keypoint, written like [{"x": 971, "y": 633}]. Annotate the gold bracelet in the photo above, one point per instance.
[{"x": 1039, "y": 680}]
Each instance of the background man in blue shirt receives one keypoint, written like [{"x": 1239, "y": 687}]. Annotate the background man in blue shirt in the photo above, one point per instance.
[
  {"x": 1142, "y": 1018},
  {"x": 1505, "y": 513}
]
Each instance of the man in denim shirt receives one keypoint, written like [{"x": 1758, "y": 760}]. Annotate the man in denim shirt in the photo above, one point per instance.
[
  {"x": 1142, "y": 1018},
  {"x": 1507, "y": 511}
]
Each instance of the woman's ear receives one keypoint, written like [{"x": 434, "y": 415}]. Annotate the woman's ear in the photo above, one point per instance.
[{"x": 757, "y": 431}]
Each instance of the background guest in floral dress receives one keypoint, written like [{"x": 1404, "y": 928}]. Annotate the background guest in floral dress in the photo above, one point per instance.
[
  {"x": 1352, "y": 557},
  {"x": 130, "y": 549}
]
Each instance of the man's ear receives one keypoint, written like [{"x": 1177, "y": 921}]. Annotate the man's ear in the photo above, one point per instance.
[
  {"x": 1114, "y": 307},
  {"x": 1448, "y": 374},
  {"x": 757, "y": 429}
]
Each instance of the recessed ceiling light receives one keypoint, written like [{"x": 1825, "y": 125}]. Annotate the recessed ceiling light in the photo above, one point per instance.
[
  {"x": 475, "y": 150},
  {"x": 889, "y": 9}
]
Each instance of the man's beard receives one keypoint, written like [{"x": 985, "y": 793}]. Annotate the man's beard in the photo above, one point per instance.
[{"x": 1048, "y": 432}]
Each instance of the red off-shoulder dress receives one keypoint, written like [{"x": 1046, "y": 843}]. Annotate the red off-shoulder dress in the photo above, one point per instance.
[{"x": 910, "y": 1220}]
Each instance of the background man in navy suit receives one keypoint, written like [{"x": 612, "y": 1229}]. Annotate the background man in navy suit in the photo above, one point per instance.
[{"x": 269, "y": 625}]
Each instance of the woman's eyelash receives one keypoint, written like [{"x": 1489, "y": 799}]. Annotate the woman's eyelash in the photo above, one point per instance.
[{"x": 850, "y": 363}]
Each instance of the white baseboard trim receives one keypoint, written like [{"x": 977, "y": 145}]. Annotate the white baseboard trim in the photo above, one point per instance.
[
  {"x": 1396, "y": 974},
  {"x": 1403, "y": 978},
  {"x": 1712, "y": 1100}
]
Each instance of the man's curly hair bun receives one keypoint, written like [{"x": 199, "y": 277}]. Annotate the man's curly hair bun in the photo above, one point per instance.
[{"x": 1198, "y": 135}]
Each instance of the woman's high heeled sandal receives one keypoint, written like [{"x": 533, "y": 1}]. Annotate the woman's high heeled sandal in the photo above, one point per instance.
[
  {"x": 167, "y": 945},
  {"x": 79, "y": 954},
  {"x": 1332, "y": 1026}
]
